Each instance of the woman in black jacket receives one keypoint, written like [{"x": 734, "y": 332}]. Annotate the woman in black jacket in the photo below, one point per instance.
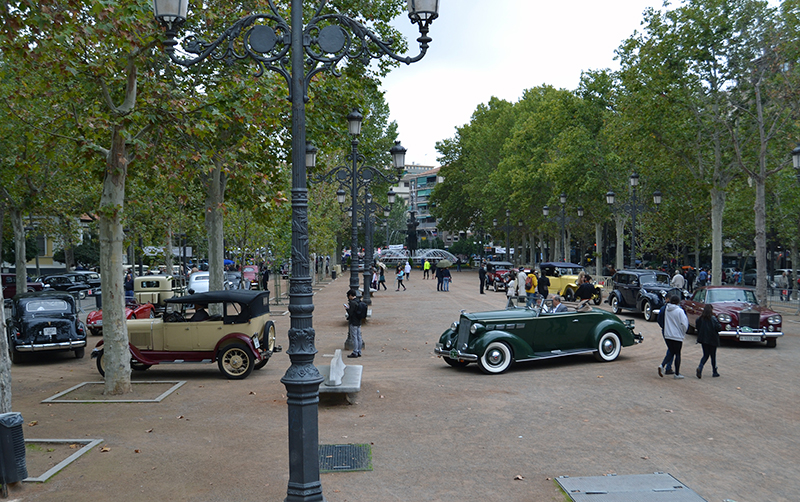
[{"x": 708, "y": 329}]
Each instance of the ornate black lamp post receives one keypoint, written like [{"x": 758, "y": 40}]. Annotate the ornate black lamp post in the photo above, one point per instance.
[
  {"x": 632, "y": 208},
  {"x": 563, "y": 220},
  {"x": 507, "y": 228},
  {"x": 356, "y": 177},
  {"x": 297, "y": 53}
]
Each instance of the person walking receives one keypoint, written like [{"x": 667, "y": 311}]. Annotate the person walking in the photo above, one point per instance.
[
  {"x": 400, "y": 276},
  {"x": 521, "y": 278},
  {"x": 482, "y": 276},
  {"x": 543, "y": 287},
  {"x": 702, "y": 277},
  {"x": 708, "y": 328},
  {"x": 511, "y": 290},
  {"x": 675, "y": 325},
  {"x": 678, "y": 281},
  {"x": 408, "y": 270},
  {"x": 446, "y": 279},
  {"x": 382, "y": 276},
  {"x": 426, "y": 270},
  {"x": 783, "y": 286},
  {"x": 439, "y": 278},
  {"x": 585, "y": 292},
  {"x": 530, "y": 289},
  {"x": 354, "y": 322}
]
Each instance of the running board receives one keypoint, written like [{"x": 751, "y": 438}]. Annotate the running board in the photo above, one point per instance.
[{"x": 557, "y": 353}]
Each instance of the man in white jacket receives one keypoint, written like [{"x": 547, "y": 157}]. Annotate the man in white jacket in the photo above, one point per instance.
[{"x": 675, "y": 325}]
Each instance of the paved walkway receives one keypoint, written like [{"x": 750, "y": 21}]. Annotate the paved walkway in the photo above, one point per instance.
[{"x": 437, "y": 433}]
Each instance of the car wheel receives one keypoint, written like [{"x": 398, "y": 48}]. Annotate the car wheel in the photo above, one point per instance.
[
  {"x": 569, "y": 295},
  {"x": 133, "y": 316},
  {"x": 96, "y": 332},
  {"x": 608, "y": 348},
  {"x": 236, "y": 361},
  {"x": 598, "y": 298},
  {"x": 772, "y": 342},
  {"x": 455, "y": 363},
  {"x": 15, "y": 356},
  {"x": 269, "y": 343},
  {"x": 101, "y": 364},
  {"x": 496, "y": 358},
  {"x": 79, "y": 353},
  {"x": 614, "y": 304},
  {"x": 81, "y": 294},
  {"x": 647, "y": 311},
  {"x": 494, "y": 285}
]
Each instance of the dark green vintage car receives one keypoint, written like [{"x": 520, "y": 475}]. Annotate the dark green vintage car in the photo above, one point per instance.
[{"x": 497, "y": 338}]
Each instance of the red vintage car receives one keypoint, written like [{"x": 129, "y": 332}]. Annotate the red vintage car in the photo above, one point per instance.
[
  {"x": 133, "y": 310},
  {"x": 498, "y": 273},
  {"x": 739, "y": 313}
]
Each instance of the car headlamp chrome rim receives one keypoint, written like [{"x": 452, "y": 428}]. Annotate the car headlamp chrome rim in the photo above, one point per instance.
[
  {"x": 475, "y": 327},
  {"x": 454, "y": 326},
  {"x": 724, "y": 318},
  {"x": 774, "y": 319}
]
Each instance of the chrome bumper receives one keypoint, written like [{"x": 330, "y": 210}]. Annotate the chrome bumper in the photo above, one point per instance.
[
  {"x": 737, "y": 333},
  {"x": 440, "y": 351},
  {"x": 36, "y": 347},
  {"x": 637, "y": 338}
]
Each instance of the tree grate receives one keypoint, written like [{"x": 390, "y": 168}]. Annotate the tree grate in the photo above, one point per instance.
[{"x": 345, "y": 457}]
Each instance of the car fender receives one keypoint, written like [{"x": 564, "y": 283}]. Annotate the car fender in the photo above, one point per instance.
[
  {"x": 135, "y": 353},
  {"x": 519, "y": 348},
  {"x": 240, "y": 337},
  {"x": 650, "y": 297},
  {"x": 625, "y": 335}
]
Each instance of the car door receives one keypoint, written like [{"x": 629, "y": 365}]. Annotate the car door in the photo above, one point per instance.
[
  {"x": 630, "y": 290},
  {"x": 561, "y": 332},
  {"x": 695, "y": 305}
]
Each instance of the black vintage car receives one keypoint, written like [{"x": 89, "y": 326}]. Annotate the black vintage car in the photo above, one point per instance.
[
  {"x": 71, "y": 282},
  {"x": 644, "y": 291},
  {"x": 44, "y": 321}
]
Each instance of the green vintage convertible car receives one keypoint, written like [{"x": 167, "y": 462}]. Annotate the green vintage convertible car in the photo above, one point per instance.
[{"x": 498, "y": 338}]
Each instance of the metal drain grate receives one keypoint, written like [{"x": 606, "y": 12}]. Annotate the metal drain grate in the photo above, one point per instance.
[{"x": 345, "y": 457}]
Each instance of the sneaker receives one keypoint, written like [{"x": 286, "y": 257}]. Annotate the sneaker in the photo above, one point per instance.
[
  {"x": 352, "y": 355},
  {"x": 669, "y": 372},
  {"x": 699, "y": 372},
  {"x": 676, "y": 377},
  {"x": 661, "y": 371}
]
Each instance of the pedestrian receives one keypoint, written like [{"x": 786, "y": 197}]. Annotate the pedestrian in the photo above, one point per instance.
[
  {"x": 530, "y": 289},
  {"x": 382, "y": 277},
  {"x": 783, "y": 286},
  {"x": 408, "y": 270},
  {"x": 458, "y": 265},
  {"x": 426, "y": 269},
  {"x": 708, "y": 328},
  {"x": 446, "y": 278},
  {"x": 690, "y": 279},
  {"x": 675, "y": 325},
  {"x": 482, "y": 276},
  {"x": 543, "y": 287},
  {"x": 585, "y": 292},
  {"x": 400, "y": 276},
  {"x": 354, "y": 313},
  {"x": 702, "y": 277},
  {"x": 521, "y": 278},
  {"x": 128, "y": 285},
  {"x": 678, "y": 281},
  {"x": 374, "y": 283},
  {"x": 439, "y": 278},
  {"x": 511, "y": 289}
]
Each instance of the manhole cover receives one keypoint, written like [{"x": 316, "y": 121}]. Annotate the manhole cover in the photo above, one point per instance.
[
  {"x": 656, "y": 487},
  {"x": 345, "y": 457}
]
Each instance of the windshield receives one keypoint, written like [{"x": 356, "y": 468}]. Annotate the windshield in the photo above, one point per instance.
[
  {"x": 730, "y": 295},
  {"x": 49, "y": 305},
  {"x": 654, "y": 278}
]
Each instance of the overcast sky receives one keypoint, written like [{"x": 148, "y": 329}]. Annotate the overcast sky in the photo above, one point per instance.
[{"x": 500, "y": 48}]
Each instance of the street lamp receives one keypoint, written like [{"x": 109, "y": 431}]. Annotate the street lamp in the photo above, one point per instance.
[
  {"x": 796, "y": 161},
  {"x": 564, "y": 219},
  {"x": 355, "y": 177},
  {"x": 507, "y": 229},
  {"x": 632, "y": 208},
  {"x": 297, "y": 53}
]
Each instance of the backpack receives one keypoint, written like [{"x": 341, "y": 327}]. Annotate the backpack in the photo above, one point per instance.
[
  {"x": 528, "y": 283},
  {"x": 361, "y": 310}
]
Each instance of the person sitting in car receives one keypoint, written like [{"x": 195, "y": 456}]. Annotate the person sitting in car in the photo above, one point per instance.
[{"x": 200, "y": 313}]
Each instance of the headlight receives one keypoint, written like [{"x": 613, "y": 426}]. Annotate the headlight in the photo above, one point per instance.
[
  {"x": 724, "y": 318},
  {"x": 474, "y": 328},
  {"x": 774, "y": 319},
  {"x": 454, "y": 326},
  {"x": 663, "y": 294}
]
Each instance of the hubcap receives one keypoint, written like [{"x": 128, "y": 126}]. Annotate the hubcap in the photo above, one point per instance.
[
  {"x": 495, "y": 357},
  {"x": 608, "y": 346}
]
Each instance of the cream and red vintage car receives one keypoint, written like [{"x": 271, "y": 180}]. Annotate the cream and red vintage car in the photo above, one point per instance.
[{"x": 237, "y": 333}]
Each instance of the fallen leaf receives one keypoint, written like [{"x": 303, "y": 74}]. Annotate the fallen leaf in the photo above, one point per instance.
[
  {"x": 179, "y": 417},
  {"x": 149, "y": 430},
  {"x": 645, "y": 458},
  {"x": 599, "y": 376},
  {"x": 738, "y": 388},
  {"x": 136, "y": 451},
  {"x": 548, "y": 479},
  {"x": 74, "y": 446},
  {"x": 31, "y": 424},
  {"x": 518, "y": 478},
  {"x": 252, "y": 393},
  {"x": 362, "y": 416},
  {"x": 668, "y": 411},
  {"x": 104, "y": 449}
]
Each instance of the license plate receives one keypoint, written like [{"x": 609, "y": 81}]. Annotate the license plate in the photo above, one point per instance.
[
  {"x": 50, "y": 331},
  {"x": 256, "y": 343},
  {"x": 98, "y": 323},
  {"x": 749, "y": 338}
]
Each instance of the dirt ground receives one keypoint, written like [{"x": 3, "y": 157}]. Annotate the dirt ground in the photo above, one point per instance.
[{"x": 437, "y": 433}]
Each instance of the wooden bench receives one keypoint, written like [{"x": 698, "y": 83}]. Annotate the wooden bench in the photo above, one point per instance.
[{"x": 341, "y": 378}]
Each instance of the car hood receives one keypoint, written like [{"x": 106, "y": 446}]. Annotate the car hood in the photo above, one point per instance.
[
  {"x": 498, "y": 315},
  {"x": 736, "y": 307}
]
